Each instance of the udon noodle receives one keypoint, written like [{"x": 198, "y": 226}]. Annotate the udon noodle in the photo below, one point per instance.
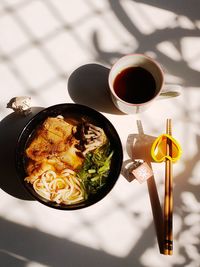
[{"x": 64, "y": 188}]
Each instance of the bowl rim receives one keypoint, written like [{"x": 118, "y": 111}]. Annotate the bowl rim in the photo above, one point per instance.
[{"x": 41, "y": 116}]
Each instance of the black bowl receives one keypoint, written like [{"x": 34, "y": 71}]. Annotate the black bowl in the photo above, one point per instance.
[{"x": 75, "y": 111}]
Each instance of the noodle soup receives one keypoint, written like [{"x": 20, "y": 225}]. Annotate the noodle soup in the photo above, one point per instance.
[
  {"x": 68, "y": 156},
  {"x": 67, "y": 160}
]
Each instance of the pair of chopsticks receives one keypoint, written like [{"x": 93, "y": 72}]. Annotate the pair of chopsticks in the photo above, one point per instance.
[{"x": 168, "y": 201}]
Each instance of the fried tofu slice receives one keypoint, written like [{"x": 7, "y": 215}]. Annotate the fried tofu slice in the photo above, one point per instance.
[
  {"x": 55, "y": 141},
  {"x": 56, "y": 129},
  {"x": 71, "y": 155},
  {"x": 50, "y": 139},
  {"x": 36, "y": 169},
  {"x": 39, "y": 149}
]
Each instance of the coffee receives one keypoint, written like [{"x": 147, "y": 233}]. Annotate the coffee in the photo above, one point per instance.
[{"x": 135, "y": 85}]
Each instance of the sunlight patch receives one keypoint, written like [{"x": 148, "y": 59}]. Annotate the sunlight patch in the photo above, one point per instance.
[
  {"x": 169, "y": 49},
  {"x": 35, "y": 264}
]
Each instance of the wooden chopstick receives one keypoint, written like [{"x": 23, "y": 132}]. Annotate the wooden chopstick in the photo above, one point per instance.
[{"x": 168, "y": 201}]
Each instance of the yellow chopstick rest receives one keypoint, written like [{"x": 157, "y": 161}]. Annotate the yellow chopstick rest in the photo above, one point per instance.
[{"x": 158, "y": 149}]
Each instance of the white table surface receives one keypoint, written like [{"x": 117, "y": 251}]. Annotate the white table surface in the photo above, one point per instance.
[{"x": 61, "y": 52}]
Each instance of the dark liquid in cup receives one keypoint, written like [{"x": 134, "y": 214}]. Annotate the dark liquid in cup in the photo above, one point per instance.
[{"x": 135, "y": 85}]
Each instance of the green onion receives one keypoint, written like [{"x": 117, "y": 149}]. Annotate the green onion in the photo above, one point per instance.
[{"x": 96, "y": 168}]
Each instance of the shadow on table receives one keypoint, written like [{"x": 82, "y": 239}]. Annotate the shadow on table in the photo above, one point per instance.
[
  {"x": 21, "y": 246},
  {"x": 149, "y": 42},
  {"x": 10, "y": 128},
  {"x": 88, "y": 85},
  {"x": 138, "y": 147}
]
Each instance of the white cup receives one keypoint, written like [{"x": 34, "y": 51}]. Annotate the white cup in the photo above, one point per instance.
[{"x": 150, "y": 65}]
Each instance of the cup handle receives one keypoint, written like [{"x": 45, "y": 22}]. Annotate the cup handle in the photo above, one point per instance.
[{"x": 170, "y": 90}]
